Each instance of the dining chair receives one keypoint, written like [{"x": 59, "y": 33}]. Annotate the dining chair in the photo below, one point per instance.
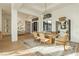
[
  {"x": 43, "y": 38},
  {"x": 36, "y": 36},
  {"x": 62, "y": 41}
]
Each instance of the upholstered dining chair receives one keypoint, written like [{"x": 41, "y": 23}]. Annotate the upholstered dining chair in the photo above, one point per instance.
[
  {"x": 43, "y": 38},
  {"x": 36, "y": 36},
  {"x": 62, "y": 41}
]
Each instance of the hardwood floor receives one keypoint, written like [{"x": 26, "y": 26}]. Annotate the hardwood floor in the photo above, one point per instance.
[
  {"x": 18, "y": 48},
  {"x": 7, "y": 45},
  {"x": 25, "y": 36}
]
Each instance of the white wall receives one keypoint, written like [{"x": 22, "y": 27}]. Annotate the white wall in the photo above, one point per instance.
[
  {"x": 71, "y": 12},
  {"x": 6, "y": 20},
  {"x": 0, "y": 19},
  {"x": 21, "y": 23}
]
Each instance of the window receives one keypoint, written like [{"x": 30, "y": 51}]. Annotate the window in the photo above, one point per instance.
[{"x": 47, "y": 26}]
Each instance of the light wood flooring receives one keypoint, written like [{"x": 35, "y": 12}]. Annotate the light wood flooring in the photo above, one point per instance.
[{"x": 7, "y": 45}]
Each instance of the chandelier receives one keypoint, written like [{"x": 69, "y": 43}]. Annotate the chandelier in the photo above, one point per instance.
[{"x": 45, "y": 9}]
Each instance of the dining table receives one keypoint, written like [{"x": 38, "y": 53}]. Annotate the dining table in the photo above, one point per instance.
[{"x": 51, "y": 37}]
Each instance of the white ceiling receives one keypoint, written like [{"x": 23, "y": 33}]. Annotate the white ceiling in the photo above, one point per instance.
[
  {"x": 32, "y": 8},
  {"x": 40, "y": 7},
  {"x": 23, "y": 15},
  {"x": 37, "y": 8}
]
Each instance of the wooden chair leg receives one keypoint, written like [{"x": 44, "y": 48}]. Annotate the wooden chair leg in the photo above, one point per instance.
[{"x": 64, "y": 47}]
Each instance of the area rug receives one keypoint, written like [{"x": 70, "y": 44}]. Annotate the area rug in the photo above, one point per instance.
[
  {"x": 47, "y": 50},
  {"x": 38, "y": 49}
]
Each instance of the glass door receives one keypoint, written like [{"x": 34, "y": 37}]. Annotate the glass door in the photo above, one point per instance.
[{"x": 34, "y": 26}]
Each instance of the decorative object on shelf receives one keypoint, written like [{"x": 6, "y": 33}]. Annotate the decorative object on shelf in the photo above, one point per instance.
[
  {"x": 62, "y": 18},
  {"x": 63, "y": 24}
]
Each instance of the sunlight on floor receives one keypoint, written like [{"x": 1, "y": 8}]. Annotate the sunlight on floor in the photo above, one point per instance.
[
  {"x": 41, "y": 49},
  {"x": 73, "y": 54}
]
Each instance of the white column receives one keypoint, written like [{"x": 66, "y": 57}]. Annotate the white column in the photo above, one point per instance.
[
  {"x": 53, "y": 24},
  {"x": 0, "y": 19},
  {"x": 31, "y": 26},
  {"x": 13, "y": 23},
  {"x": 41, "y": 23}
]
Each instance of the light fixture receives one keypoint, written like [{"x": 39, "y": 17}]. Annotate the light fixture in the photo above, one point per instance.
[
  {"x": 44, "y": 9},
  {"x": 45, "y": 13}
]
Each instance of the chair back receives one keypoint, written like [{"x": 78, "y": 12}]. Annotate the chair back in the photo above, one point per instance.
[
  {"x": 66, "y": 37},
  {"x": 41, "y": 35},
  {"x": 34, "y": 34}
]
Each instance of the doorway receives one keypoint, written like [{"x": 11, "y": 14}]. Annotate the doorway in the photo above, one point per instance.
[
  {"x": 27, "y": 26},
  {"x": 34, "y": 26}
]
